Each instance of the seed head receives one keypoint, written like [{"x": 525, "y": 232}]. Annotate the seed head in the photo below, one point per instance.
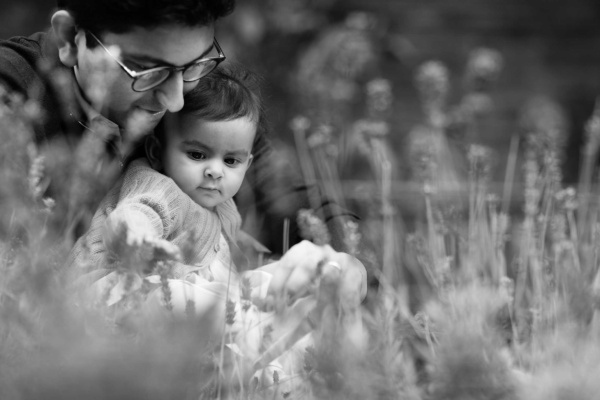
[
  {"x": 320, "y": 137},
  {"x": 379, "y": 97},
  {"x": 480, "y": 160},
  {"x": 360, "y": 21},
  {"x": 592, "y": 131},
  {"x": 351, "y": 236},
  {"x": 545, "y": 124},
  {"x": 36, "y": 172},
  {"x": 422, "y": 158},
  {"x": 483, "y": 67},
  {"x": 477, "y": 103},
  {"x": 299, "y": 123},
  {"x": 433, "y": 83},
  {"x": 566, "y": 199},
  {"x": 230, "y": 312},
  {"x": 352, "y": 54},
  {"x": 312, "y": 227}
]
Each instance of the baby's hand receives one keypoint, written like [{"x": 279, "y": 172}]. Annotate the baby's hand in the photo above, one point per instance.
[
  {"x": 163, "y": 249},
  {"x": 135, "y": 238},
  {"x": 127, "y": 240}
]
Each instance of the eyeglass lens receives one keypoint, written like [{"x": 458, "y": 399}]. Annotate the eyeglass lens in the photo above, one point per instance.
[
  {"x": 198, "y": 70},
  {"x": 190, "y": 74}
]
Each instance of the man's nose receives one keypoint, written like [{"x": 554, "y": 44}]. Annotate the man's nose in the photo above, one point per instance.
[{"x": 170, "y": 92}]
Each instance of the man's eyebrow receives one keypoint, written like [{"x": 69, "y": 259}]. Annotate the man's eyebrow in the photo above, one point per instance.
[{"x": 155, "y": 60}]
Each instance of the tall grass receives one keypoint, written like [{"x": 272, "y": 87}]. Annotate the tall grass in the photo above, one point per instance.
[{"x": 468, "y": 298}]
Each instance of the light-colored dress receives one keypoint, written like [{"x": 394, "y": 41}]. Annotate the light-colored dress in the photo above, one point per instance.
[{"x": 216, "y": 289}]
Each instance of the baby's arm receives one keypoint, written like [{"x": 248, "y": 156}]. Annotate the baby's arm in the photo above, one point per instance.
[{"x": 139, "y": 222}]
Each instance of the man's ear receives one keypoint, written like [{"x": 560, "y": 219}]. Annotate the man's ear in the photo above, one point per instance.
[
  {"x": 63, "y": 25},
  {"x": 153, "y": 152}
]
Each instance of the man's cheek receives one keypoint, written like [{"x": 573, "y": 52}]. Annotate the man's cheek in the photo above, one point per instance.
[{"x": 188, "y": 86}]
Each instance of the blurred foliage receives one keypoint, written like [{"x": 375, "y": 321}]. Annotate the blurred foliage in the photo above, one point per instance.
[
  {"x": 405, "y": 112},
  {"x": 554, "y": 42}
]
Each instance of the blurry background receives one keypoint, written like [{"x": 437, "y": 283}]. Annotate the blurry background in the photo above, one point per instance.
[{"x": 550, "y": 48}]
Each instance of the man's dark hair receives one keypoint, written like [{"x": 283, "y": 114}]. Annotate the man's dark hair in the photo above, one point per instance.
[{"x": 120, "y": 16}]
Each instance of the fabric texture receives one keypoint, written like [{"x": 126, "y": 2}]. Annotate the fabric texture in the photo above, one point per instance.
[
  {"x": 154, "y": 203},
  {"x": 30, "y": 66}
]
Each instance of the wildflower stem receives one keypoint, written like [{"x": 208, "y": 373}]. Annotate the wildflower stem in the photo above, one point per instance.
[
  {"x": 390, "y": 270},
  {"x": 225, "y": 321},
  {"x": 286, "y": 235},
  {"x": 510, "y": 172},
  {"x": 306, "y": 166}
]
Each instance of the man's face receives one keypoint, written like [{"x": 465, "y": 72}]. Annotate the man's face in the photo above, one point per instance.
[
  {"x": 209, "y": 159},
  {"x": 108, "y": 87}
]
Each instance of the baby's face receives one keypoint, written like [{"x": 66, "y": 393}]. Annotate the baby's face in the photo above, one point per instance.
[{"x": 208, "y": 159}]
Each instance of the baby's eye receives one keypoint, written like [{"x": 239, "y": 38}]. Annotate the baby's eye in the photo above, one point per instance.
[
  {"x": 232, "y": 161},
  {"x": 196, "y": 155}
]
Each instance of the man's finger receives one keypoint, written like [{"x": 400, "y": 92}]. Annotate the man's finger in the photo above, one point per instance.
[{"x": 296, "y": 267}]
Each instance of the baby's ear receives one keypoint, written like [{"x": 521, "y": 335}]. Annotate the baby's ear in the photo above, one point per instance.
[
  {"x": 63, "y": 25},
  {"x": 153, "y": 152}
]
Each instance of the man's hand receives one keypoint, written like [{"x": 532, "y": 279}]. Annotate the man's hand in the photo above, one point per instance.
[
  {"x": 310, "y": 284},
  {"x": 301, "y": 269}
]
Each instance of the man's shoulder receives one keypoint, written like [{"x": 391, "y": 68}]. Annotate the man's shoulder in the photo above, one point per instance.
[
  {"x": 141, "y": 167},
  {"x": 20, "y": 59},
  {"x": 25, "y": 46},
  {"x": 142, "y": 176}
]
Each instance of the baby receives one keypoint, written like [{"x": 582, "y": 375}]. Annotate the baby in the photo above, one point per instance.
[
  {"x": 176, "y": 199},
  {"x": 180, "y": 185}
]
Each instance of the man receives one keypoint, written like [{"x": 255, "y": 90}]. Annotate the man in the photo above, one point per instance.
[
  {"x": 164, "y": 48},
  {"x": 113, "y": 68}
]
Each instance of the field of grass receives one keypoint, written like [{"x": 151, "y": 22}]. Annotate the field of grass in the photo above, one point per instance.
[{"x": 477, "y": 289}]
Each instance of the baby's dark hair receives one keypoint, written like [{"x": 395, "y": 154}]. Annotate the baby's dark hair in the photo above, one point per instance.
[
  {"x": 227, "y": 93},
  {"x": 120, "y": 16}
]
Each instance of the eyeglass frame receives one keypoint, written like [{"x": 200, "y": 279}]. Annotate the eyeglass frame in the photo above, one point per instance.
[{"x": 135, "y": 75}]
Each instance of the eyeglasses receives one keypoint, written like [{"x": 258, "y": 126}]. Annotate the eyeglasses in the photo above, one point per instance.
[{"x": 150, "y": 78}]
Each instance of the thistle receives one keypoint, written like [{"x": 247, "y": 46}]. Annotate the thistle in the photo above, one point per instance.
[
  {"x": 480, "y": 158},
  {"x": 379, "y": 98},
  {"x": 433, "y": 85},
  {"x": 36, "y": 172},
  {"x": 483, "y": 68},
  {"x": 320, "y": 137},
  {"x": 312, "y": 227},
  {"x": 352, "y": 237},
  {"x": 422, "y": 158},
  {"x": 230, "y": 312},
  {"x": 164, "y": 285}
]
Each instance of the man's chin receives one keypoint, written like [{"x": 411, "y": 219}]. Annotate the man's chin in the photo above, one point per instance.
[{"x": 140, "y": 121}]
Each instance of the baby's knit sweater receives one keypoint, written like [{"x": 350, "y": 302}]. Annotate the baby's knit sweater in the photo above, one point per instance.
[{"x": 153, "y": 202}]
